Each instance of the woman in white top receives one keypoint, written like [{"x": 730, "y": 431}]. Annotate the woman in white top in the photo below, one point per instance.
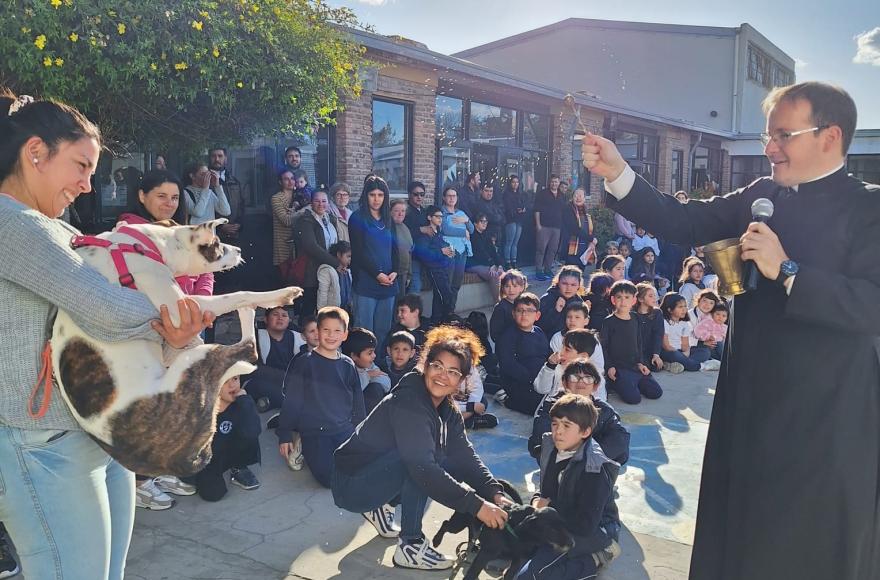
[{"x": 204, "y": 196}]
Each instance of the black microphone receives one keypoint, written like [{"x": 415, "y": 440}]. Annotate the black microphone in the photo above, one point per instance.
[{"x": 762, "y": 211}]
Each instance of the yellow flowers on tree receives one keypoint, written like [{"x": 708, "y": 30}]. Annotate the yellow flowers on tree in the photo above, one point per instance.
[{"x": 184, "y": 72}]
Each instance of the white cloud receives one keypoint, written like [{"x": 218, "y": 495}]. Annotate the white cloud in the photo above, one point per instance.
[
  {"x": 869, "y": 47},
  {"x": 800, "y": 64}
]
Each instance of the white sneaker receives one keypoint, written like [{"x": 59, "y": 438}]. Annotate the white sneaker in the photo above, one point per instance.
[
  {"x": 173, "y": 484},
  {"x": 418, "y": 555},
  {"x": 382, "y": 519},
  {"x": 673, "y": 367},
  {"x": 711, "y": 365},
  {"x": 148, "y": 496},
  {"x": 295, "y": 459},
  {"x": 501, "y": 396}
]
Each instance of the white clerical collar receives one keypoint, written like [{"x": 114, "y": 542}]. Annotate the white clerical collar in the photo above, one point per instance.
[{"x": 835, "y": 170}]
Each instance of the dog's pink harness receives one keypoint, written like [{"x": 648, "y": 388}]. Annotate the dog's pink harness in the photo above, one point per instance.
[{"x": 144, "y": 246}]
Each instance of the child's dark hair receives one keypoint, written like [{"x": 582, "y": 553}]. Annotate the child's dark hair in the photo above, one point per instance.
[
  {"x": 568, "y": 271},
  {"x": 359, "y": 340},
  {"x": 576, "y": 408},
  {"x": 686, "y": 267},
  {"x": 706, "y": 293},
  {"x": 623, "y": 287},
  {"x": 527, "y": 298},
  {"x": 331, "y": 313},
  {"x": 307, "y": 320},
  {"x": 642, "y": 289},
  {"x": 576, "y": 307},
  {"x": 339, "y": 248},
  {"x": 720, "y": 307},
  {"x": 53, "y": 122},
  {"x": 300, "y": 173},
  {"x": 670, "y": 302},
  {"x": 274, "y": 308},
  {"x": 610, "y": 262},
  {"x": 411, "y": 301},
  {"x": 626, "y": 243},
  {"x": 150, "y": 181},
  {"x": 514, "y": 276},
  {"x": 459, "y": 342},
  {"x": 600, "y": 282},
  {"x": 431, "y": 210},
  {"x": 581, "y": 366},
  {"x": 581, "y": 340},
  {"x": 402, "y": 336}
]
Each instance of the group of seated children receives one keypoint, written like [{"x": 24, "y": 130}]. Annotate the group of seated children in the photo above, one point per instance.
[{"x": 693, "y": 340}]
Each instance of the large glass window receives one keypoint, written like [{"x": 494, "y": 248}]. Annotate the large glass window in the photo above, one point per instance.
[
  {"x": 448, "y": 118},
  {"x": 392, "y": 143},
  {"x": 706, "y": 169},
  {"x": 492, "y": 125},
  {"x": 677, "y": 170},
  {"x": 865, "y": 167},
  {"x": 536, "y": 131},
  {"x": 640, "y": 151},
  {"x": 454, "y": 166},
  {"x": 744, "y": 169}
]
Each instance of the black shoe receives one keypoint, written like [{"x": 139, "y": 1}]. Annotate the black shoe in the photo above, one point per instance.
[
  {"x": 8, "y": 566},
  {"x": 263, "y": 404},
  {"x": 485, "y": 421},
  {"x": 272, "y": 422},
  {"x": 244, "y": 478}
]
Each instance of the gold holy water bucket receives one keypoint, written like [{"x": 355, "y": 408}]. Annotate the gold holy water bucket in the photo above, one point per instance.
[{"x": 724, "y": 257}]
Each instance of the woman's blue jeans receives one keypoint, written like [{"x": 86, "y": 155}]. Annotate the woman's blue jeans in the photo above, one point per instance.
[
  {"x": 512, "y": 233},
  {"x": 374, "y": 314},
  {"x": 377, "y": 484},
  {"x": 68, "y": 507}
]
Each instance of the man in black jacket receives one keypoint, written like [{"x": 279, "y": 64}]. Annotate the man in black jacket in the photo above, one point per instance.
[{"x": 800, "y": 370}]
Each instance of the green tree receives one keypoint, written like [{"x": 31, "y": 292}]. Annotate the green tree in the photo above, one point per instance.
[{"x": 183, "y": 72}]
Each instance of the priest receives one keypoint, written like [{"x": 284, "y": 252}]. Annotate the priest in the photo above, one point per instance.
[{"x": 791, "y": 474}]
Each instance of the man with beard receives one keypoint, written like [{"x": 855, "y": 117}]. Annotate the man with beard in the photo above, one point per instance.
[{"x": 791, "y": 473}]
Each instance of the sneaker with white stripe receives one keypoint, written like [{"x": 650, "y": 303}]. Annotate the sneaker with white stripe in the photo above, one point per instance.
[
  {"x": 382, "y": 519},
  {"x": 418, "y": 555}
]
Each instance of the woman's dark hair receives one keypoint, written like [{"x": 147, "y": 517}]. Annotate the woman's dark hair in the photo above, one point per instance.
[
  {"x": 150, "y": 181},
  {"x": 462, "y": 343},
  {"x": 610, "y": 262},
  {"x": 53, "y": 122},
  {"x": 447, "y": 189},
  {"x": 371, "y": 183},
  {"x": 670, "y": 302},
  {"x": 600, "y": 282},
  {"x": 191, "y": 170},
  {"x": 282, "y": 172}
]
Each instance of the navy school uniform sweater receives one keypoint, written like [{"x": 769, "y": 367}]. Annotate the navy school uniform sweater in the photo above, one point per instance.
[
  {"x": 609, "y": 433},
  {"x": 323, "y": 395},
  {"x": 425, "y": 437},
  {"x": 521, "y": 354},
  {"x": 620, "y": 343},
  {"x": 501, "y": 319},
  {"x": 240, "y": 420}
]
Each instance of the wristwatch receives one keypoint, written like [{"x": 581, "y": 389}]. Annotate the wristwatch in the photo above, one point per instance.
[{"x": 787, "y": 269}]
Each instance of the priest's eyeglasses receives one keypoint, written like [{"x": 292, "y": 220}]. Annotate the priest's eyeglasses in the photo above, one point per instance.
[{"x": 782, "y": 138}]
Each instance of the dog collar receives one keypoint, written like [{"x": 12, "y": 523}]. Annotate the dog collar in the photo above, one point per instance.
[{"x": 143, "y": 246}]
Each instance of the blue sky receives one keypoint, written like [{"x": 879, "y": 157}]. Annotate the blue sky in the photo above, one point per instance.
[{"x": 823, "y": 37}]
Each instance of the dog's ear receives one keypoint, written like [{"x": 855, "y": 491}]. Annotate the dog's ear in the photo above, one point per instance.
[{"x": 204, "y": 234}]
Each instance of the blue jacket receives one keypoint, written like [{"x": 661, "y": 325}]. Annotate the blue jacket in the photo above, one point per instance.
[{"x": 522, "y": 354}]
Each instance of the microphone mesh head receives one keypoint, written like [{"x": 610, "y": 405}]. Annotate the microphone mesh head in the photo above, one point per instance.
[{"x": 762, "y": 208}]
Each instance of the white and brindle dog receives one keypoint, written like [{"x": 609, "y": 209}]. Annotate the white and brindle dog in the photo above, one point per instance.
[{"x": 152, "y": 419}]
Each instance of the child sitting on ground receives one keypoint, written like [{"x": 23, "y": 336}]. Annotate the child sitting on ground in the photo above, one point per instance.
[
  {"x": 472, "y": 403},
  {"x": 627, "y": 372},
  {"x": 360, "y": 346},
  {"x": 277, "y": 345},
  {"x": 713, "y": 328},
  {"x": 577, "y": 343},
  {"x": 401, "y": 357},
  {"x": 680, "y": 349},
  {"x": 522, "y": 351},
  {"x": 409, "y": 319},
  {"x": 235, "y": 446},
  {"x": 577, "y": 479},
  {"x": 704, "y": 303},
  {"x": 599, "y": 298},
  {"x": 334, "y": 284},
  {"x": 324, "y": 399},
  {"x": 513, "y": 283}
]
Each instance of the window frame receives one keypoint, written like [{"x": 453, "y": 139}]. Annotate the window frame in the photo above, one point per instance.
[{"x": 408, "y": 145}]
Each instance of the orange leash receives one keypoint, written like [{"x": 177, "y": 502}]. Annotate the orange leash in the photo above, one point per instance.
[{"x": 44, "y": 380}]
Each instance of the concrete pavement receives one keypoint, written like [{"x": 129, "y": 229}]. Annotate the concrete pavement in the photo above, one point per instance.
[{"x": 290, "y": 529}]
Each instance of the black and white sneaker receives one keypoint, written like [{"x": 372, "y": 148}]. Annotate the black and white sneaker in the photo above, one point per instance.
[
  {"x": 485, "y": 421},
  {"x": 382, "y": 519},
  {"x": 244, "y": 478},
  {"x": 418, "y": 555},
  {"x": 501, "y": 396},
  {"x": 8, "y": 566},
  {"x": 272, "y": 422}
]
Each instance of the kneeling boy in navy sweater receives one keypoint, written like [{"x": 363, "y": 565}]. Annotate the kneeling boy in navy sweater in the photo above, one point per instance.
[{"x": 324, "y": 400}]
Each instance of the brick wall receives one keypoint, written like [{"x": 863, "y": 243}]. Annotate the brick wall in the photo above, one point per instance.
[
  {"x": 354, "y": 134},
  {"x": 672, "y": 138}
]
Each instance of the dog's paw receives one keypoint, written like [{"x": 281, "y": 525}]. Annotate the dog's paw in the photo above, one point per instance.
[{"x": 283, "y": 297}]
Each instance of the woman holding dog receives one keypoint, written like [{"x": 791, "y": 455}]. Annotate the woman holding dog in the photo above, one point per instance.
[
  {"x": 413, "y": 446},
  {"x": 57, "y": 482}
]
